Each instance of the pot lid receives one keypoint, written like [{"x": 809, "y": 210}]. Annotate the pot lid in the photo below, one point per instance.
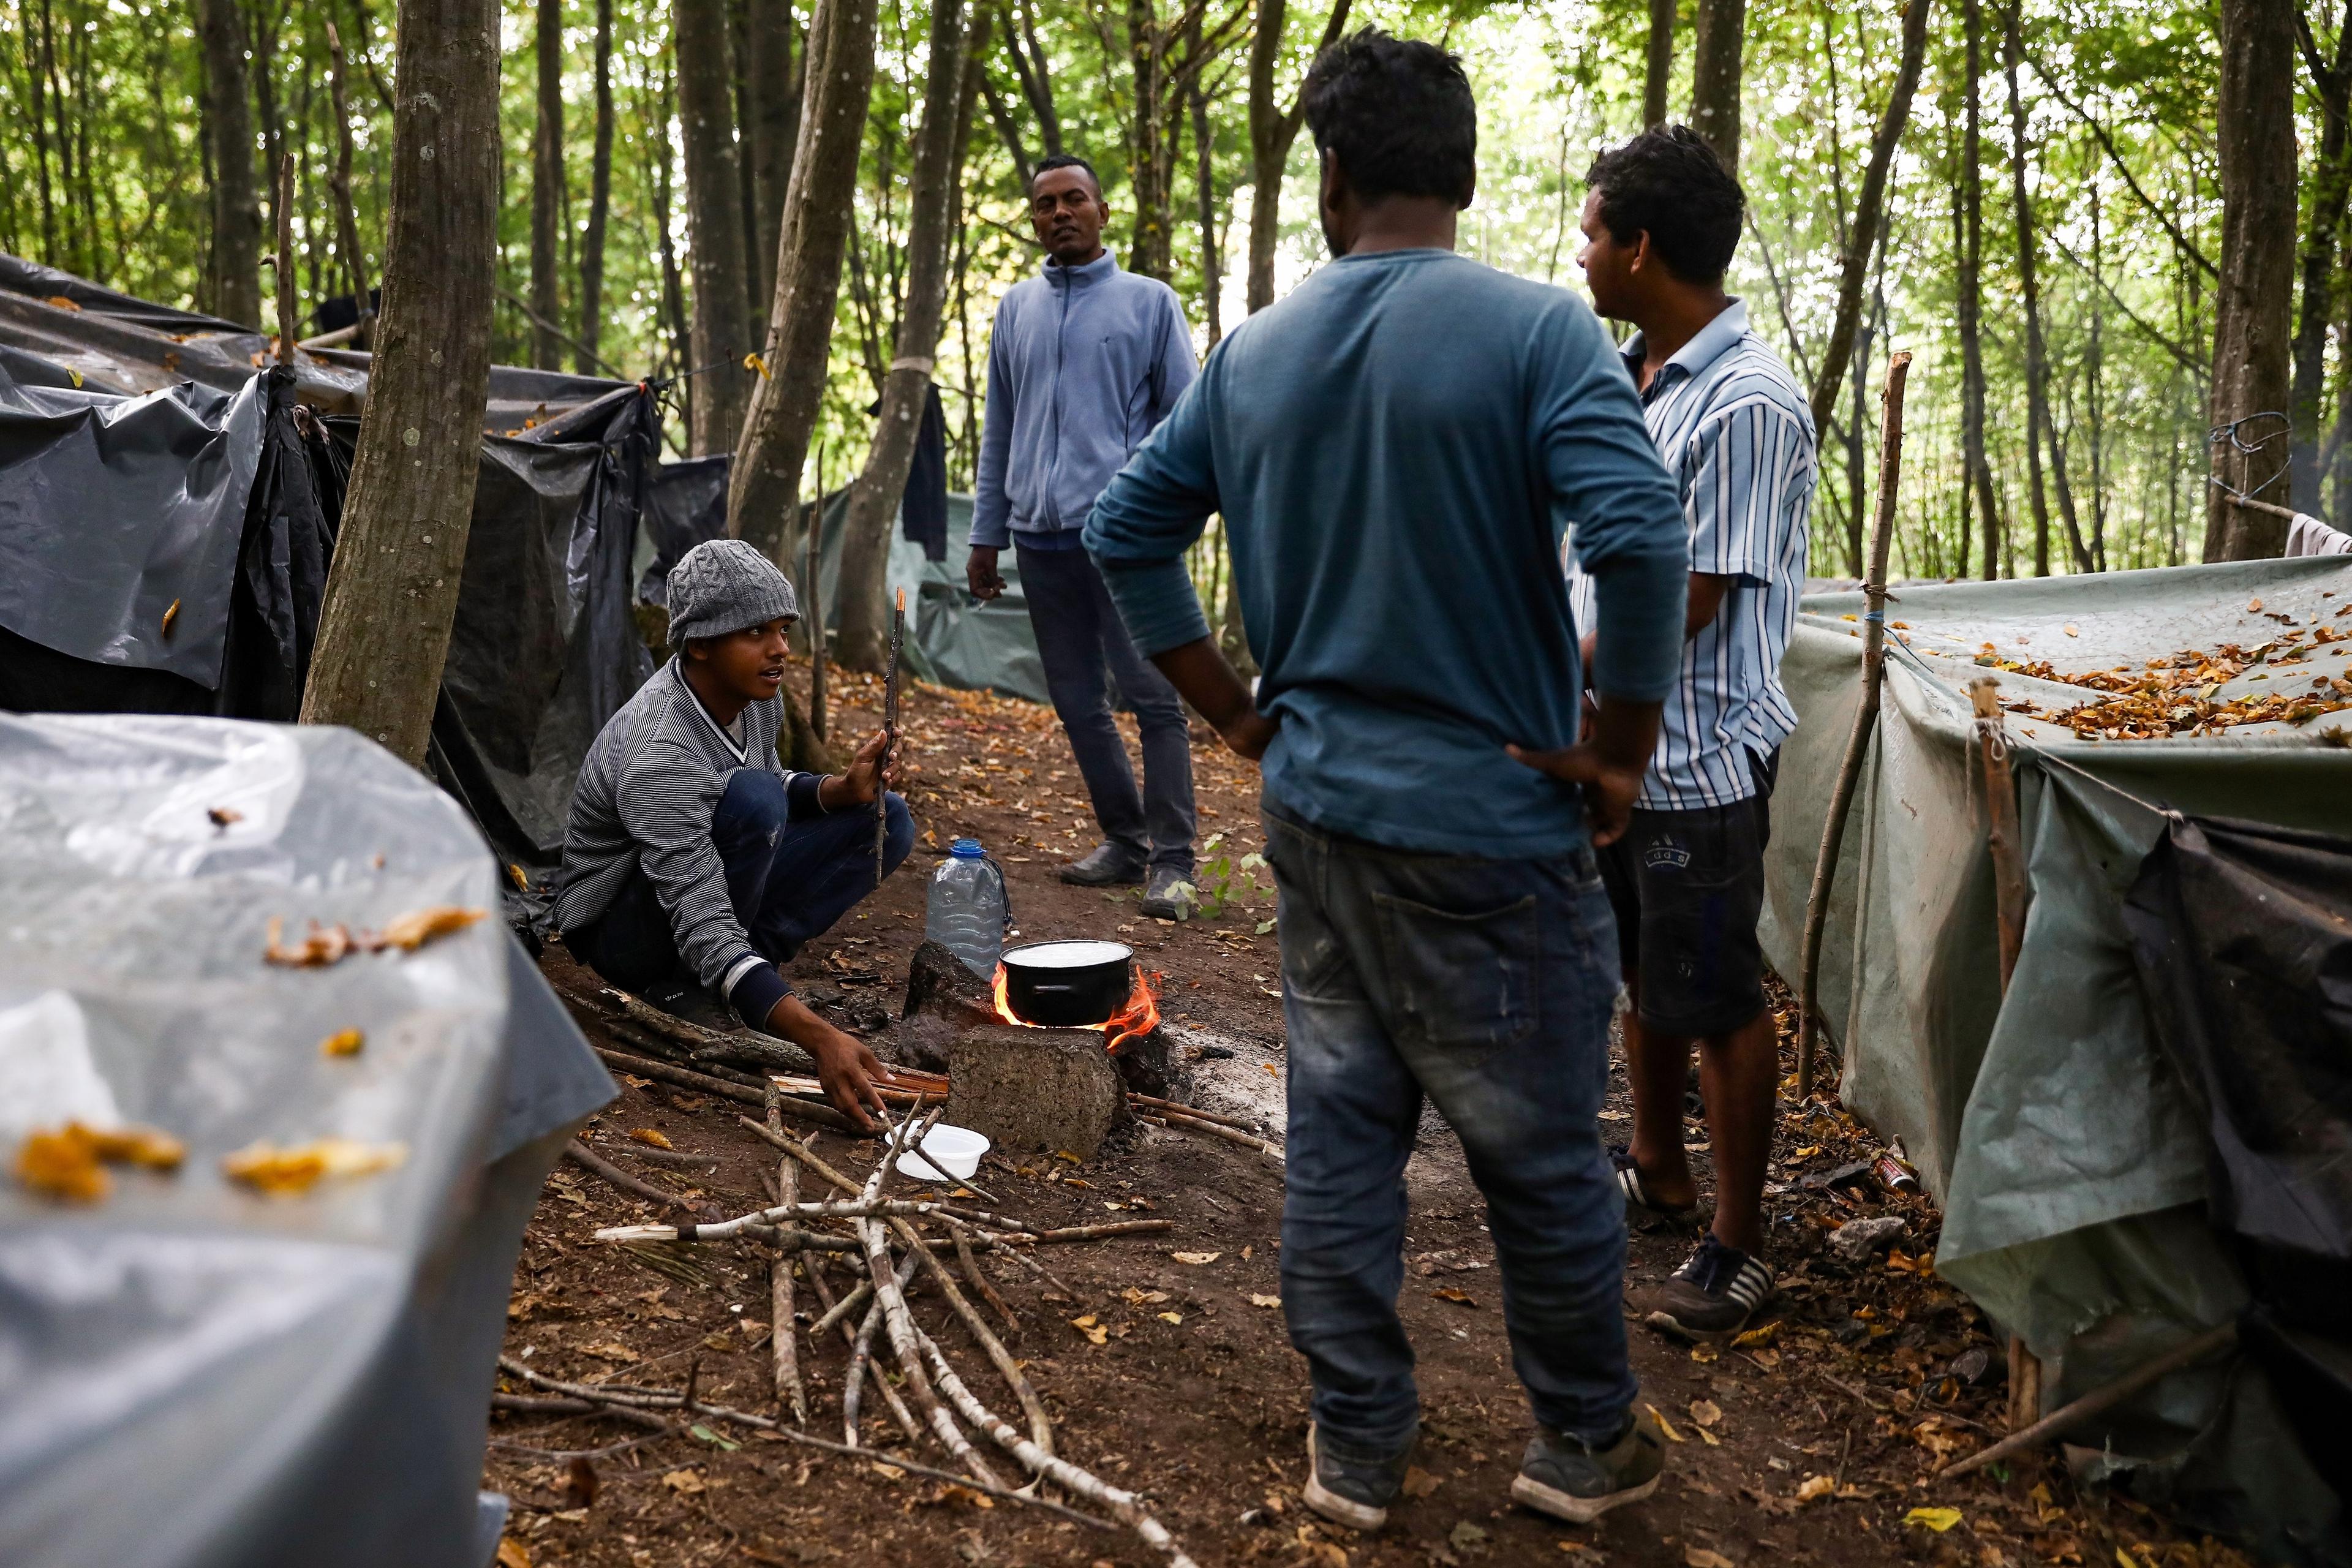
[{"x": 1067, "y": 955}]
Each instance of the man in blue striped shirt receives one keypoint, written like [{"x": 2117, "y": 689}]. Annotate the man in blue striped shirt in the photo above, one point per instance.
[{"x": 1686, "y": 881}]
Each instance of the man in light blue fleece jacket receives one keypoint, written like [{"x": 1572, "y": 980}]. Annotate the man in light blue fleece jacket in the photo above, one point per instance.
[
  {"x": 1083, "y": 360},
  {"x": 1397, "y": 449}
]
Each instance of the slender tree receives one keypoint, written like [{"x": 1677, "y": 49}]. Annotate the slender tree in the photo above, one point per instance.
[
  {"x": 714, "y": 213},
  {"x": 237, "y": 197},
  {"x": 860, "y": 627},
  {"x": 547, "y": 190},
  {"x": 393, "y": 588},
  {"x": 2331, "y": 83},
  {"x": 1719, "y": 50},
  {"x": 1977, "y": 471},
  {"x": 347, "y": 217},
  {"x": 1273, "y": 128},
  {"x": 1658, "y": 63},
  {"x": 763, "y": 488},
  {"x": 2253, "y": 306},
  {"x": 774, "y": 122},
  {"x": 1204, "y": 190},
  {"x": 600, "y": 201},
  {"x": 2037, "y": 369},
  {"x": 1862, "y": 235}
]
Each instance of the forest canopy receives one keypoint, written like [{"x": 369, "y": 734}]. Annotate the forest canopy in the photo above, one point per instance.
[{"x": 122, "y": 123}]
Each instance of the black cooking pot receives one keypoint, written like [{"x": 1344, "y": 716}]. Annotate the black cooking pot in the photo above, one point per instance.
[{"x": 1068, "y": 985}]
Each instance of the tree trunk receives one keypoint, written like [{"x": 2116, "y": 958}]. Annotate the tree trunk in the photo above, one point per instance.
[
  {"x": 393, "y": 588},
  {"x": 1862, "y": 235},
  {"x": 2332, "y": 85},
  {"x": 2251, "y": 318},
  {"x": 1272, "y": 130},
  {"x": 547, "y": 190},
  {"x": 658, "y": 180},
  {"x": 714, "y": 215},
  {"x": 1971, "y": 310},
  {"x": 600, "y": 201},
  {"x": 763, "y": 490},
  {"x": 236, "y": 197},
  {"x": 1658, "y": 73},
  {"x": 2344, "y": 416},
  {"x": 1205, "y": 188},
  {"x": 347, "y": 217},
  {"x": 861, "y": 629},
  {"x": 774, "y": 124},
  {"x": 1148, "y": 165},
  {"x": 2037, "y": 372},
  {"x": 1036, "y": 80},
  {"x": 1715, "y": 77}
]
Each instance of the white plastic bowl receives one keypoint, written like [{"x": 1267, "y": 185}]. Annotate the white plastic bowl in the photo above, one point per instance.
[{"x": 955, "y": 1154}]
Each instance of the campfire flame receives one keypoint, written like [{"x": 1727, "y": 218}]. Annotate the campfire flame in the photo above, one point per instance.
[{"x": 1138, "y": 1018}]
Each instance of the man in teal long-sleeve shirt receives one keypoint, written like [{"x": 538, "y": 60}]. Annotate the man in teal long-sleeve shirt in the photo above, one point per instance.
[{"x": 1397, "y": 449}]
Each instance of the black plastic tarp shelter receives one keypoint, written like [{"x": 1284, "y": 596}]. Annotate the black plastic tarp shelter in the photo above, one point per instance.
[{"x": 169, "y": 502}]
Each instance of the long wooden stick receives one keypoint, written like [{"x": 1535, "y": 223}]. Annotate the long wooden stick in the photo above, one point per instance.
[
  {"x": 890, "y": 737},
  {"x": 1865, "y": 721},
  {"x": 288, "y": 312},
  {"x": 619, "y": 1178},
  {"x": 2104, "y": 1398},
  {"x": 784, "y": 1337}
]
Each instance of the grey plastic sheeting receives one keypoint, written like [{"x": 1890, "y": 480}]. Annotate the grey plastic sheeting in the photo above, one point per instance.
[
  {"x": 192, "y": 1375},
  {"x": 2068, "y": 1159},
  {"x": 175, "y": 469}
]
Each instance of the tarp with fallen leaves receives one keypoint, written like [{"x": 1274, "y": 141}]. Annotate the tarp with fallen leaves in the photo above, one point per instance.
[
  {"x": 2071, "y": 1164},
  {"x": 276, "y": 1348}
]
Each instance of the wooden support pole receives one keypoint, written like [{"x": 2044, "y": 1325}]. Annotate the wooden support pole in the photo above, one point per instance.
[
  {"x": 289, "y": 314},
  {"x": 1866, "y": 719},
  {"x": 347, "y": 220},
  {"x": 2104, "y": 1397}
]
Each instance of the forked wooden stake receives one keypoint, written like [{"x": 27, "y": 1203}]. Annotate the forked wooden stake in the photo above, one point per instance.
[{"x": 1865, "y": 721}]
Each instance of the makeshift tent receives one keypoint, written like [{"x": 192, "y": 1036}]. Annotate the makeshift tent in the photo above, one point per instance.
[
  {"x": 2071, "y": 1158},
  {"x": 952, "y": 639},
  {"x": 168, "y": 508},
  {"x": 194, "y": 1374}
]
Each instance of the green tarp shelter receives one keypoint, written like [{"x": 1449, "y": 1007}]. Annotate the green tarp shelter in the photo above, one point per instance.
[{"x": 2068, "y": 1158}]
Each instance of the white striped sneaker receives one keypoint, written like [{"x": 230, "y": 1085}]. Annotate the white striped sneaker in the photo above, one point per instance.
[{"x": 1716, "y": 1292}]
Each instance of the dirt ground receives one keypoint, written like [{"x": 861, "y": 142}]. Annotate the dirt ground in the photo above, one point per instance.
[{"x": 1810, "y": 1443}]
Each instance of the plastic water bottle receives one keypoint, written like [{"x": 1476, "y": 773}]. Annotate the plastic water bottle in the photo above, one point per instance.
[{"x": 968, "y": 909}]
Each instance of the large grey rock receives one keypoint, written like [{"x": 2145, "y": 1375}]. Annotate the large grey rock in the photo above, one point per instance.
[
  {"x": 1051, "y": 1090},
  {"x": 943, "y": 998},
  {"x": 1858, "y": 1238}
]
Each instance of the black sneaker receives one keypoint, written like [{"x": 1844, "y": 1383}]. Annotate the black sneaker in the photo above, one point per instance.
[
  {"x": 1171, "y": 896},
  {"x": 1637, "y": 1196},
  {"x": 1352, "y": 1491},
  {"x": 1716, "y": 1292},
  {"x": 1572, "y": 1480},
  {"x": 1105, "y": 866}
]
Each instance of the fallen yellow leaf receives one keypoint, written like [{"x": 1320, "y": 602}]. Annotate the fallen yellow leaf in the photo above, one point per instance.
[
  {"x": 1420, "y": 1483},
  {"x": 1196, "y": 1258},
  {"x": 342, "y": 1043},
  {"x": 1171, "y": 1316},
  {"x": 284, "y": 1172},
  {"x": 1705, "y": 1411},
  {"x": 1705, "y": 1353},
  {"x": 1813, "y": 1487},
  {"x": 1459, "y": 1297},
  {"x": 57, "y": 1164},
  {"x": 171, "y": 614},
  {"x": 1135, "y": 1298},
  {"x": 1666, "y": 1426},
  {"x": 2253, "y": 606},
  {"x": 1939, "y": 1519},
  {"x": 132, "y": 1145},
  {"x": 1700, "y": 1557},
  {"x": 1258, "y": 1300},
  {"x": 1762, "y": 1335},
  {"x": 2070, "y": 631},
  {"x": 512, "y": 1554},
  {"x": 649, "y": 1136},
  {"x": 684, "y": 1481},
  {"x": 414, "y": 929}
]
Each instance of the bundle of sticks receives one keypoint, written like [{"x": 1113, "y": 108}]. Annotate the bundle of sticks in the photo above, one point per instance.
[{"x": 886, "y": 1241}]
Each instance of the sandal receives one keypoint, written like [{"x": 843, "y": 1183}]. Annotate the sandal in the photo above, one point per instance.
[{"x": 1637, "y": 1196}]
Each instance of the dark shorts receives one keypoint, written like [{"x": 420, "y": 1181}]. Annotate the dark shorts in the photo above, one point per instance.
[{"x": 1687, "y": 888}]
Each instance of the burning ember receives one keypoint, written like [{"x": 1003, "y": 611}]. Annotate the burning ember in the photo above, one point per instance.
[{"x": 1138, "y": 1018}]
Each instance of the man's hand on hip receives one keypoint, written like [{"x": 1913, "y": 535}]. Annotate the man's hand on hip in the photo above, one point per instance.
[
  {"x": 1608, "y": 767},
  {"x": 980, "y": 573}
]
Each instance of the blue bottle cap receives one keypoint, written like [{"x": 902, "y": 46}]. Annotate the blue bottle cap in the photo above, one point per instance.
[{"x": 967, "y": 849}]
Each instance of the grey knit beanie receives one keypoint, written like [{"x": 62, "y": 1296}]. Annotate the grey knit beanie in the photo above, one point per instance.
[{"x": 723, "y": 585}]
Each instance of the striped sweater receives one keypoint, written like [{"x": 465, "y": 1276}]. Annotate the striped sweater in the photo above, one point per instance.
[{"x": 643, "y": 801}]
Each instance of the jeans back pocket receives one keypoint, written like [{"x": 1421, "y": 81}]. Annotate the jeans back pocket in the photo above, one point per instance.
[{"x": 1461, "y": 980}]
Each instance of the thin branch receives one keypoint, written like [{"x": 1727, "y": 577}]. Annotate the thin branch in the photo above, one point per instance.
[{"x": 2188, "y": 246}]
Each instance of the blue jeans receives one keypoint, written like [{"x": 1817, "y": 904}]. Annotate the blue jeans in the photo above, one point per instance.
[
  {"x": 1088, "y": 660},
  {"x": 788, "y": 879},
  {"x": 1487, "y": 985}
]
